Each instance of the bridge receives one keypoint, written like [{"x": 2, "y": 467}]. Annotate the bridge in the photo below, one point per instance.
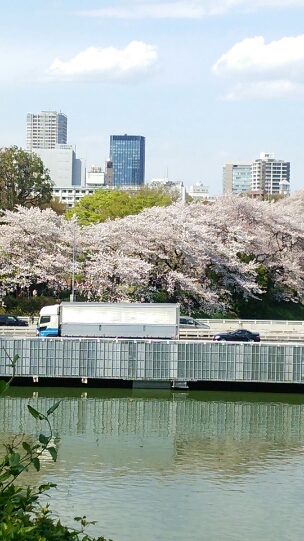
[{"x": 144, "y": 363}]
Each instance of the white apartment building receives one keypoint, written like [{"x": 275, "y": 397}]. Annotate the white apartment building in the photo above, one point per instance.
[
  {"x": 71, "y": 195},
  {"x": 270, "y": 176},
  {"x": 46, "y": 130}
]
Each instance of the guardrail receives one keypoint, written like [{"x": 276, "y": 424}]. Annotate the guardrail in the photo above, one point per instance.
[
  {"x": 29, "y": 331},
  {"x": 244, "y": 322},
  {"x": 257, "y": 325},
  {"x": 185, "y": 334},
  {"x": 269, "y": 336}
]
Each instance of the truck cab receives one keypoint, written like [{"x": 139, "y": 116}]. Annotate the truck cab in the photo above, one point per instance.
[{"x": 48, "y": 324}]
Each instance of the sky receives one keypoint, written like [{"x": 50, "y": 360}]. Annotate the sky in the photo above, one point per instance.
[{"x": 204, "y": 81}]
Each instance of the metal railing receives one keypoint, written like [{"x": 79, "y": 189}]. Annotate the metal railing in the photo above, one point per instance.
[
  {"x": 265, "y": 335},
  {"x": 243, "y": 322},
  {"x": 153, "y": 360},
  {"x": 259, "y": 325},
  {"x": 285, "y": 335}
]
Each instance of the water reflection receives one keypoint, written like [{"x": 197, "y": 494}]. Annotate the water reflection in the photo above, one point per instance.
[
  {"x": 177, "y": 433},
  {"x": 171, "y": 457}
]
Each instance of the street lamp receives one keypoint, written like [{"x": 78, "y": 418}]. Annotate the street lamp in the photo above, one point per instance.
[{"x": 72, "y": 296}]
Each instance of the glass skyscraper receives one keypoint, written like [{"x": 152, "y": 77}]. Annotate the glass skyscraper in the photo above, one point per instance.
[{"x": 127, "y": 153}]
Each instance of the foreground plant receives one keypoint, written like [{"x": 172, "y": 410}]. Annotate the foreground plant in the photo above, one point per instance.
[{"x": 22, "y": 517}]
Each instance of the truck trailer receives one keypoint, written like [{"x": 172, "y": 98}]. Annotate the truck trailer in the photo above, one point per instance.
[{"x": 109, "y": 320}]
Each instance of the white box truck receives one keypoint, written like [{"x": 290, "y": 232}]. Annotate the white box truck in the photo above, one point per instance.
[{"x": 110, "y": 320}]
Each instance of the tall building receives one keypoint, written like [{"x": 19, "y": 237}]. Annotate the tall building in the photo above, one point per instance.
[
  {"x": 46, "y": 130},
  {"x": 270, "y": 176},
  {"x": 265, "y": 176},
  {"x": 237, "y": 177},
  {"x": 127, "y": 154}
]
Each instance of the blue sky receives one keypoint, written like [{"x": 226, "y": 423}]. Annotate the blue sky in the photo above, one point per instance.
[{"x": 205, "y": 81}]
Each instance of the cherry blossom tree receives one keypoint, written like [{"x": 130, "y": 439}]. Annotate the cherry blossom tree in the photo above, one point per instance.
[
  {"x": 183, "y": 247},
  {"x": 204, "y": 256},
  {"x": 277, "y": 240},
  {"x": 35, "y": 247}
]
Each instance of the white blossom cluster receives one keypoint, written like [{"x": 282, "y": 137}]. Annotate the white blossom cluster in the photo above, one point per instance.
[{"x": 190, "y": 252}]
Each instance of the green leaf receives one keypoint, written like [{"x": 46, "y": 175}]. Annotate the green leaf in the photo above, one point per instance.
[
  {"x": 14, "y": 459},
  {"x": 3, "y": 387},
  {"x": 36, "y": 463},
  {"x": 53, "y": 453},
  {"x": 47, "y": 486},
  {"x": 4, "y": 476},
  {"x": 53, "y": 408},
  {"x": 44, "y": 439},
  {"x": 26, "y": 446},
  {"x": 35, "y": 413},
  {"x": 16, "y": 470}
]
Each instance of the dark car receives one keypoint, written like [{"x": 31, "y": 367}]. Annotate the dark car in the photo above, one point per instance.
[
  {"x": 12, "y": 321},
  {"x": 186, "y": 322},
  {"x": 241, "y": 335}
]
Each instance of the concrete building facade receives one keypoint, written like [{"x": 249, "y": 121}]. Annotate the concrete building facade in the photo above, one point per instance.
[
  {"x": 45, "y": 130},
  {"x": 64, "y": 167}
]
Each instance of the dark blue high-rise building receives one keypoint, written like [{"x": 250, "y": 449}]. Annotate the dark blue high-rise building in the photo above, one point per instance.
[{"x": 127, "y": 153}]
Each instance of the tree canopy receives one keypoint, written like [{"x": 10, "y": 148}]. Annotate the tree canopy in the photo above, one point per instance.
[
  {"x": 104, "y": 204},
  {"x": 23, "y": 179},
  {"x": 56, "y": 205},
  {"x": 214, "y": 258}
]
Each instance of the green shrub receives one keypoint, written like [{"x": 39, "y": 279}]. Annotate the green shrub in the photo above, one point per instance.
[{"x": 26, "y": 306}]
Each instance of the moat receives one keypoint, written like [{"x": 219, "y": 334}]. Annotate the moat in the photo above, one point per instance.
[{"x": 172, "y": 465}]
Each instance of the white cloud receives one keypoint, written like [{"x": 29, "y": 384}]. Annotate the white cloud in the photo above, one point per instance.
[
  {"x": 264, "y": 70},
  {"x": 253, "y": 55},
  {"x": 106, "y": 65},
  {"x": 185, "y": 9}
]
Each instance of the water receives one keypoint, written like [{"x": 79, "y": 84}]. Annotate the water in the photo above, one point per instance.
[{"x": 172, "y": 466}]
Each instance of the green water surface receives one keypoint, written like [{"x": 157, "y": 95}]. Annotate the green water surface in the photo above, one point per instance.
[{"x": 168, "y": 465}]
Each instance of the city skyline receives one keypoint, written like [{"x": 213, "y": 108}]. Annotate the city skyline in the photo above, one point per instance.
[{"x": 205, "y": 82}]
